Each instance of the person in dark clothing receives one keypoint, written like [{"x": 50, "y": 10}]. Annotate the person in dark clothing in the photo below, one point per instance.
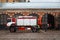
[{"x": 45, "y": 26}]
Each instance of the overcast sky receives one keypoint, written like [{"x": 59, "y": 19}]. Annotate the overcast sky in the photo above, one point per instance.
[
  {"x": 33, "y": 5},
  {"x": 44, "y": 0}
]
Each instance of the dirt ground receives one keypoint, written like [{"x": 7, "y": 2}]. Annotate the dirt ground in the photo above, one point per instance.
[{"x": 28, "y": 35}]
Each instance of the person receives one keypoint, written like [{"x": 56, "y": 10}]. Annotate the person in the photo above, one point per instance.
[{"x": 45, "y": 26}]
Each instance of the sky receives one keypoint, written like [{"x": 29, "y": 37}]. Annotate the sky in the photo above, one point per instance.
[{"x": 32, "y": 4}]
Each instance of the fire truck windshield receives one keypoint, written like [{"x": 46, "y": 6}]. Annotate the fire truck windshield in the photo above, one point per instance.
[{"x": 8, "y": 20}]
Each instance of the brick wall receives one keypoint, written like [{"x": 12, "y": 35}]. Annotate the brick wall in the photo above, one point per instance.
[{"x": 26, "y": 12}]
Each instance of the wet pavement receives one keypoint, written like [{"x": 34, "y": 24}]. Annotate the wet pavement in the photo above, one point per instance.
[{"x": 28, "y": 35}]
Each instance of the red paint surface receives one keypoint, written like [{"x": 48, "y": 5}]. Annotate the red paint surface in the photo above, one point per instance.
[
  {"x": 21, "y": 28},
  {"x": 39, "y": 21},
  {"x": 13, "y": 20}
]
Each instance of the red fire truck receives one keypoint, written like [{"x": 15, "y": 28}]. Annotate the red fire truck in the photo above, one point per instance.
[{"x": 24, "y": 23}]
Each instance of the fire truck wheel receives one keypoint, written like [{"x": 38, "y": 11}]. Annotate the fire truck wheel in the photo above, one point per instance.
[
  {"x": 12, "y": 29},
  {"x": 34, "y": 30}
]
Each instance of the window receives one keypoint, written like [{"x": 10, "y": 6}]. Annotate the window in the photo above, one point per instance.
[
  {"x": 58, "y": 18},
  {"x": 22, "y": 0},
  {"x": 6, "y": 0},
  {"x": 28, "y": 1},
  {"x": 3, "y": 18},
  {"x": 8, "y": 20}
]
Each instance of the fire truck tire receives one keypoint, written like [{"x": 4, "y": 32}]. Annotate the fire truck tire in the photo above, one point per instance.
[
  {"x": 12, "y": 29},
  {"x": 34, "y": 30}
]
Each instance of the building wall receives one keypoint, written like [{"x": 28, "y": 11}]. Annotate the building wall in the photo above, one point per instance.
[
  {"x": 26, "y": 12},
  {"x": 39, "y": 12},
  {"x": 4, "y": 1}
]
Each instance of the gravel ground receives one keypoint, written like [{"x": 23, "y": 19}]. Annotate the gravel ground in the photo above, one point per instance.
[{"x": 28, "y": 35}]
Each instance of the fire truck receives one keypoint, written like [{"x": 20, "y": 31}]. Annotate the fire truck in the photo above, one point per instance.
[{"x": 24, "y": 23}]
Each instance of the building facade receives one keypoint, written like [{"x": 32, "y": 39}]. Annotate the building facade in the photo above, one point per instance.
[{"x": 8, "y": 11}]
